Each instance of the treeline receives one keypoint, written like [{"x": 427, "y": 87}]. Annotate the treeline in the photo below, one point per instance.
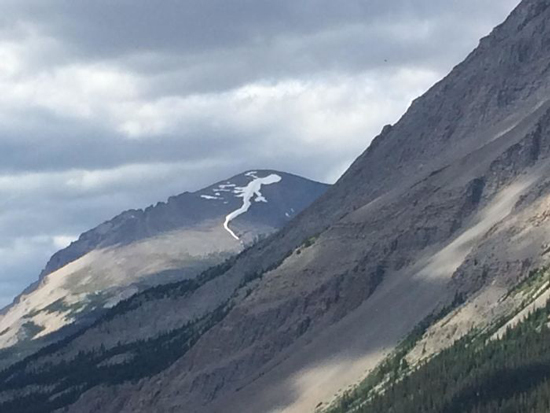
[
  {"x": 475, "y": 375},
  {"x": 62, "y": 383}
]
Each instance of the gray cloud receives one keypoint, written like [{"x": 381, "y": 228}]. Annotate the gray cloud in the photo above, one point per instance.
[
  {"x": 186, "y": 43},
  {"x": 109, "y": 105}
]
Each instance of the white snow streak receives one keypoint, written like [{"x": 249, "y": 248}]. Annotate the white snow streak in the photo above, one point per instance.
[{"x": 247, "y": 192}]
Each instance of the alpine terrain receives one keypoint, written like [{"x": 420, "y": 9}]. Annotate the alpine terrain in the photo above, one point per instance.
[
  {"x": 172, "y": 241},
  {"x": 413, "y": 284}
]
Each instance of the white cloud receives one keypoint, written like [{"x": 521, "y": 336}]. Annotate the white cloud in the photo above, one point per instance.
[
  {"x": 63, "y": 241},
  {"x": 81, "y": 91}
]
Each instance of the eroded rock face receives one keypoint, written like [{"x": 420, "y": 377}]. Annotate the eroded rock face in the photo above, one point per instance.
[{"x": 449, "y": 200}]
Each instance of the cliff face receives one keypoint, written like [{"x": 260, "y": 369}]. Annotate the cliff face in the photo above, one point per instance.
[{"x": 449, "y": 201}]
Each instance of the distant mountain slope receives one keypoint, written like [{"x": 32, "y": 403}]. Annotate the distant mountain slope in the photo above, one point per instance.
[
  {"x": 173, "y": 240},
  {"x": 443, "y": 215}
]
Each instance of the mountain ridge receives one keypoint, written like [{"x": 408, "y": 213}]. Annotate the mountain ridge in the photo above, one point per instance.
[
  {"x": 55, "y": 263},
  {"x": 184, "y": 236},
  {"x": 446, "y": 210}
]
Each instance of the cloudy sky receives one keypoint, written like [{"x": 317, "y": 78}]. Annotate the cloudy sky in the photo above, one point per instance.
[{"x": 107, "y": 105}]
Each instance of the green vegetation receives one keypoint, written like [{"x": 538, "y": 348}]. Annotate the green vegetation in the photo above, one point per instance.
[
  {"x": 167, "y": 291},
  {"x": 307, "y": 244},
  {"x": 23, "y": 349},
  {"x": 395, "y": 366},
  {"x": 31, "y": 329},
  {"x": 531, "y": 284},
  {"x": 91, "y": 302},
  {"x": 475, "y": 375},
  {"x": 64, "y": 382},
  {"x": 67, "y": 380}
]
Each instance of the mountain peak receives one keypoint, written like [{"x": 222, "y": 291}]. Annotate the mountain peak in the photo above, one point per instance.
[
  {"x": 184, "y": 210},
  {"x": 139, "y": 248}
]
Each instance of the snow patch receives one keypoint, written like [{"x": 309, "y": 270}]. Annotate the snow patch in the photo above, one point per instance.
[
  {"x": 210, "y": 197},
  {"x": 247, "y": 193},
  {"x": 227, "y": 187}
]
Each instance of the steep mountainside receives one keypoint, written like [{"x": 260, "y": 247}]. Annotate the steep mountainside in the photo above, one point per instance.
[
  {"x": 142, "y": 248},
  {"x": 500, "y": 366},
  {"x": 442, "y": 215}
]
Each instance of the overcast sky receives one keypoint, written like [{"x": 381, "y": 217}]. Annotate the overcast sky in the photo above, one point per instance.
[{"x": 107, "y": 105}]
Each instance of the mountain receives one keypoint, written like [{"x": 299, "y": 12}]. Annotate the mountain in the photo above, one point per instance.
[
  {"x": 478, "y": 373},
  {"x": 171, "y": 241},
  {"x": 437, "y": 231}
]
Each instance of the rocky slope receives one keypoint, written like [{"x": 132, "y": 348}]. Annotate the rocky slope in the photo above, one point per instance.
[
  {"x": 449, "y": 202},
  {"x": 485, "y": 371},
  {"x": 171, "y": 241}
]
